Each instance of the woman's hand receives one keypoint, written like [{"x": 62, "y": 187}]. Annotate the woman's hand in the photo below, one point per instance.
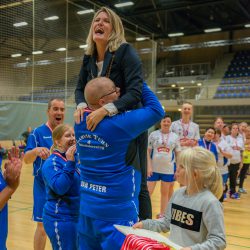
[
  {"x": 70, "y": 154},
  {"x": 13, "y": 168},
  {"x": 149, "y": 170},
  {"x": 138, "y": 225},
  {"x": 78, "y": 115},
  {"x": 95, "y": 117}
]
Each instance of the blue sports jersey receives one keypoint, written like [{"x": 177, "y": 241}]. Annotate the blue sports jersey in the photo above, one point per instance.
[
  {"x": 110, "y": 183},
  {"x": 3, "y": 218},
  {"x": 62, "y": 183},
  {"x": 209, "y": 146},
  {"x": 39, "y": 137}
]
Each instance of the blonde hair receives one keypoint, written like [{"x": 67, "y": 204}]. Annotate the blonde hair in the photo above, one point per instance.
[
  {"x": 57, "y": 134},
  {"x": 117, "y": 36},
  {"x": 203, "y": 161}
]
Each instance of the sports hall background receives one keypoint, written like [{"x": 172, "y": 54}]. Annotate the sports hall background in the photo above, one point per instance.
[{"x": 42, "y": 45}]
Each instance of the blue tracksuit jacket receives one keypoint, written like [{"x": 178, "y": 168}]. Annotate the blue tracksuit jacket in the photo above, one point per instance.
[{"x": 110, "y": 182}]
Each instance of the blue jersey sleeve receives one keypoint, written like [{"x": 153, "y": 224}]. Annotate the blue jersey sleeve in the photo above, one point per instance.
[
  {"x": 32, "y": 142},
  {"x": 59, "y": 178},
  {"x": 137, "y": 121}
]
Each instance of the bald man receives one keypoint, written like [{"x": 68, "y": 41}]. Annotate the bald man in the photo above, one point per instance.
[{"x": 110, "y": 176}]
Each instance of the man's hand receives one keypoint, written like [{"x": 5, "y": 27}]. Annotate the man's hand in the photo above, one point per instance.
[
  {"x": 42, "y": 152},
  {"x": 95, "y": 117}
]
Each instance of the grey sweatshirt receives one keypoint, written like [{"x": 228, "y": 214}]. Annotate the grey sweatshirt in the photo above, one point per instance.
[{"x": 194, "y": 221}]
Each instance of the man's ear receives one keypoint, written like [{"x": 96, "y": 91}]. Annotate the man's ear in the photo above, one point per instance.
[{"x": 101, "y": 102}]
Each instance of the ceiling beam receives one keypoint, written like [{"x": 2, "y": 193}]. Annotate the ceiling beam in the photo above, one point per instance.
[
  {"x": 243, "y": 9},
  {"x": 180, "y": 7}
]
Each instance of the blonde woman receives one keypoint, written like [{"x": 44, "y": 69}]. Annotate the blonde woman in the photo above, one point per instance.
[
  {"x": 194, "y": 215},
  {"x": 62, "y": 183},
  {"x": 108, "y": 54}
]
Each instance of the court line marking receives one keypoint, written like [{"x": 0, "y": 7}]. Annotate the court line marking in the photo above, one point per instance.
[
  {"x": 238, "y": 245},
  {"x": 236, "y": 236}
]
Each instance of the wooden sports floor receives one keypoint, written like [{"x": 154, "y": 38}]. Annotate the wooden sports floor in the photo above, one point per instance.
[{"x": 21, "y": 227}]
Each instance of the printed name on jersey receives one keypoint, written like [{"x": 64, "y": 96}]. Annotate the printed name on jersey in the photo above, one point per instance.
[
  {"x": 186, "y": 218},
  {"x": 47, "y": 137},
  {"x": 94, "y": 187},
  {"x": 92, "y": 141}
]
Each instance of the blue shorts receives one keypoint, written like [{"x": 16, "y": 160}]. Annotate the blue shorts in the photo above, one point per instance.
[
  {"x": 39, "y": 199},
  {"x": 224, "y": 178},
  {"x": 100, "y": 235},
  {"x": 62, "y": 234},
  {"x": 161, "y": 177}
]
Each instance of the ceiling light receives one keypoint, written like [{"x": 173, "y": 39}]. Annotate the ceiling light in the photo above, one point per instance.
[
  {"x": 199, "y": 84},
  {"x": 181, "y": 87},
  {"x": 212, "y": 30},
  {"x": 173, "y": 85},
  {"x": 247, "y": 25},
  {"x": 38, "y": 52},
  {"x": 125, "y": 4},
  {"x": 61, "y": 49},
  {"x": 82, "y": 12},
  {"x": 163, "y": 107},
  {"x": 51, "y": 18},
  {"x": 159, "y": 92},
  {"x": 143, "y": 38},
  {"x": 176, "y": 34},
  {"x": 83, "y": 46},
  {"x": 179, "y": 109},
  {"x": 16, "y": 55},
  {"x": 20, "y": 24}
]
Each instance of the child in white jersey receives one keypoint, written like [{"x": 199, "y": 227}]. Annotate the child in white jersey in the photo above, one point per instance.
[{"x": 194, "y": 215}]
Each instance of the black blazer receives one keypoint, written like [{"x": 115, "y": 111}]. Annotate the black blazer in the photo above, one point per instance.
[{"x": 126, "y": 73}]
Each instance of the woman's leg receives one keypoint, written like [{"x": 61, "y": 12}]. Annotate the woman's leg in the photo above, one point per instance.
[
  {"x": 243, "y": 173},
  {"x": 151, "y": 187},
  {"x": 166, "y": 193}
]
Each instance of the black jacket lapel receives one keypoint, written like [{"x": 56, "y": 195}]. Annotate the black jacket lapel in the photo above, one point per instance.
[{"x": 106, "y": 63}]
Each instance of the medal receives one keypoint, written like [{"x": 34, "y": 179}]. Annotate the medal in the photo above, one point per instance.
[{"x": 185, "y": 131}]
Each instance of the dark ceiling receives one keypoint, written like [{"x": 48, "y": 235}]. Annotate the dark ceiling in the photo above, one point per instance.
[
  {"x": 161, "y": 17},
  {"x": 152, "y": 18}
]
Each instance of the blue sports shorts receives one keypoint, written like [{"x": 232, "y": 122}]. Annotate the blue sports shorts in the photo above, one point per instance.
[{"x": 39, "y": 199}]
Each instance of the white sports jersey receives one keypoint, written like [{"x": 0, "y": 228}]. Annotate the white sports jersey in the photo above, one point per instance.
[
  {"x": 190, "y": 130},
  {"x": 163, "y": 147},
  {"x": 222, "y": 162},
  {"x": 232, "y": 142}
]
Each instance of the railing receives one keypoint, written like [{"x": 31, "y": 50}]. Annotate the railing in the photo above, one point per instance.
[
  {"x": 178, "y": 91},
  {"x": 201, "y": 92},
  {"x": 186, "y": 70}
]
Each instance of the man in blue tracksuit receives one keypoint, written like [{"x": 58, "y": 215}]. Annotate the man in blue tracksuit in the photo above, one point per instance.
[
  {"x": 36, "y": 152},
  {"x": 110, "y": 179}
]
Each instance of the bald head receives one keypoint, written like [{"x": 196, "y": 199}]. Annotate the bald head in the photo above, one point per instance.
[{"x": 100, "y": 91}]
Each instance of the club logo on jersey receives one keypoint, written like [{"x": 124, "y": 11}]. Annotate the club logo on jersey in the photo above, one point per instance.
[
  {"x": 186, "y": 218},
  {"x": 163, "y": 149},
  {"x": 92, "y": 141}
]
